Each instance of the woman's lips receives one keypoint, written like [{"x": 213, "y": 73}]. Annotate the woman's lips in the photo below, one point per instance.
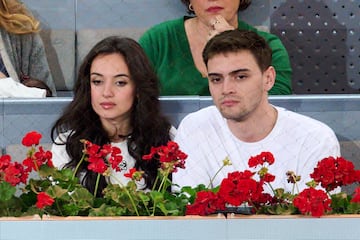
[
  {"x": 107, "y": 105},
  {"x": 214, "y": 9}
]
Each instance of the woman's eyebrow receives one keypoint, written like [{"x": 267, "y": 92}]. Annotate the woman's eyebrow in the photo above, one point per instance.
[{"x": 117, "y": 75}]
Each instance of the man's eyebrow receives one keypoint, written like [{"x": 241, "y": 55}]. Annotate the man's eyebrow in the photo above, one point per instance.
[
  {"x": 230, "y": 73},
  {"x": 214, "y": 74},
  {"x": 239, "y": 71}
]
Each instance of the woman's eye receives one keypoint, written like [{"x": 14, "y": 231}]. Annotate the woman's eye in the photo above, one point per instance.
[
  {"x": 121, "y": 83},
  {"x": 95, "y": 82}
]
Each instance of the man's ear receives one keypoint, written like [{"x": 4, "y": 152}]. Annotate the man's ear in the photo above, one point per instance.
[{"x": 269, "y": 78}]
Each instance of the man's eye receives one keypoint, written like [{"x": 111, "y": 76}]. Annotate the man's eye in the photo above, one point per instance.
[
  {"x": 215, "y": 79},
  {"x": 241, "y": 76}
]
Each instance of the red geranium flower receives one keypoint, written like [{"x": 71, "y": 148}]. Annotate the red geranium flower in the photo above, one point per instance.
[
  {"x": 115, "y": 158},
  {"x": 334, "y": 172},
  {"x": 91, "y": 149},
  {"x": 356, "y": 196},
  {"x": 170, "y": 156},
  {"x": 130, "y": 173},
  {"x": 240, "y": 187},
  {"x": 44, "y": 157},
  {"x": 268, "y": 177},
  {"x": 97, "y": 155},
  {"x": 15, "y": 174},
  {"x": 4, "y": 161},
  {"x": 206, "y": 203},
  {"x": 134, "y": 174},
  {"x": 35, "y": 160},
  {"x": 97, "y": 164},
  {"x": 31, "y": 138},
  {"x": 264, "y": 157},
  {"x": 43, "y": 200},
  {"x": 312, "y": 201}
]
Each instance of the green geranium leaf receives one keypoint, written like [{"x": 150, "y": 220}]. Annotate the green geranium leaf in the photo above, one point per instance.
[
  {"x": 353, "y": 208},
  {"x": 144, "y": 197},
  {"x": 156, "y": 196},
  {"x": 56, "y": 191},
  {"x": 12, "y": 207},
  {"x": 172, "y": 208},
  {"x": 105, "y": 210},
  {"x": 82, "y": 194},
  {"x": 46, "y": 171},
  {"x": 71, "y": 209},
  {"x": 6, "y": 191}
]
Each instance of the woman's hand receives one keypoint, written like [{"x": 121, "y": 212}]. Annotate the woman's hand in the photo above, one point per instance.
[{"x": 219, "y": 24}]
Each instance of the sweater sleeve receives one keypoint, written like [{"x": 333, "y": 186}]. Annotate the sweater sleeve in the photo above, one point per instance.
[{"x": 35, "y": 61}]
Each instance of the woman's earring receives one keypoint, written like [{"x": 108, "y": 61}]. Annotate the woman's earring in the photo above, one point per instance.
[{"x": 191, "y": 7}]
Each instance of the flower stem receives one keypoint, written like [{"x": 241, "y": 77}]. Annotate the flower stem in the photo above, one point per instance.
[
  {"x": 156, "y": 180},
  {"x": 58, "y": 207},
  {"x": 31, "y": 154},
  {"x": 253, "y": 205},
  {"x": 213, "y": 178},
  {"x": 297, "y": 187},
  {"x": 7, "y": 209},
  {"x": 130, "y": 197},
  {"x": 161, "y": 188},
  {"x": 146, "y": 208},
  {"x": 162, "y": 184},
  {"x": 97, "y": 184},
  {"x": 132, "y": 202},
  {"x": 154, "y": 207},
  {"x": 272, "y": 189},
  {"x": 77, "y": 166}
]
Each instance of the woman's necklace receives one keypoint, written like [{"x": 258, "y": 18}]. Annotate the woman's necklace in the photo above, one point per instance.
[{"x": 125, "y": 136}]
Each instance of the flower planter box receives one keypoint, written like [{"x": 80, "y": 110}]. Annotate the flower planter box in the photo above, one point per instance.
[
  {"x": 295, "y": 227},
  {"x": 344, "y": 227}
]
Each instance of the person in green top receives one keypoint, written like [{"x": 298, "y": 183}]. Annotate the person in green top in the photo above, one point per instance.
[{"x": 175, "y": 47}]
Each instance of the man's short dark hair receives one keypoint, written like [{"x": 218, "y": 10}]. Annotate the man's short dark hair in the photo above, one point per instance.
[{"x": 239, "y": 40}]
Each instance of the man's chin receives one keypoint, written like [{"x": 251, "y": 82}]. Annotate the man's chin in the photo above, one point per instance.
[
  {"x": 227, "y": 114},
  {"x": 230, "y": 114}
]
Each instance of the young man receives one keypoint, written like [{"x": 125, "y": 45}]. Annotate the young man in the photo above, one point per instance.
[{"x": 243, "y": 123}]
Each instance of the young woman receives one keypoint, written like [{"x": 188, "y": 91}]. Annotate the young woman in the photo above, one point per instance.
[{"x": 116, "y": 100}]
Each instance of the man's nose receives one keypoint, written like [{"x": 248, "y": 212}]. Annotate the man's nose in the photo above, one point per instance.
[{"x": 228, "y": 85}]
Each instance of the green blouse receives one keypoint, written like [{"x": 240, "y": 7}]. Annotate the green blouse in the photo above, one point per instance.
[{"x": 168, "y": 49}]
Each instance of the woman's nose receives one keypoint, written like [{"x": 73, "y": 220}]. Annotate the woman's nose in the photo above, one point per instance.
[{"x": 108, "y": 90}]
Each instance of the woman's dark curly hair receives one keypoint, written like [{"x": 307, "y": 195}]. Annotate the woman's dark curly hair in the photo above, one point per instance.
[
  {"x": 150, "y": 127},
  {"x": 242, "y": 6}
]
